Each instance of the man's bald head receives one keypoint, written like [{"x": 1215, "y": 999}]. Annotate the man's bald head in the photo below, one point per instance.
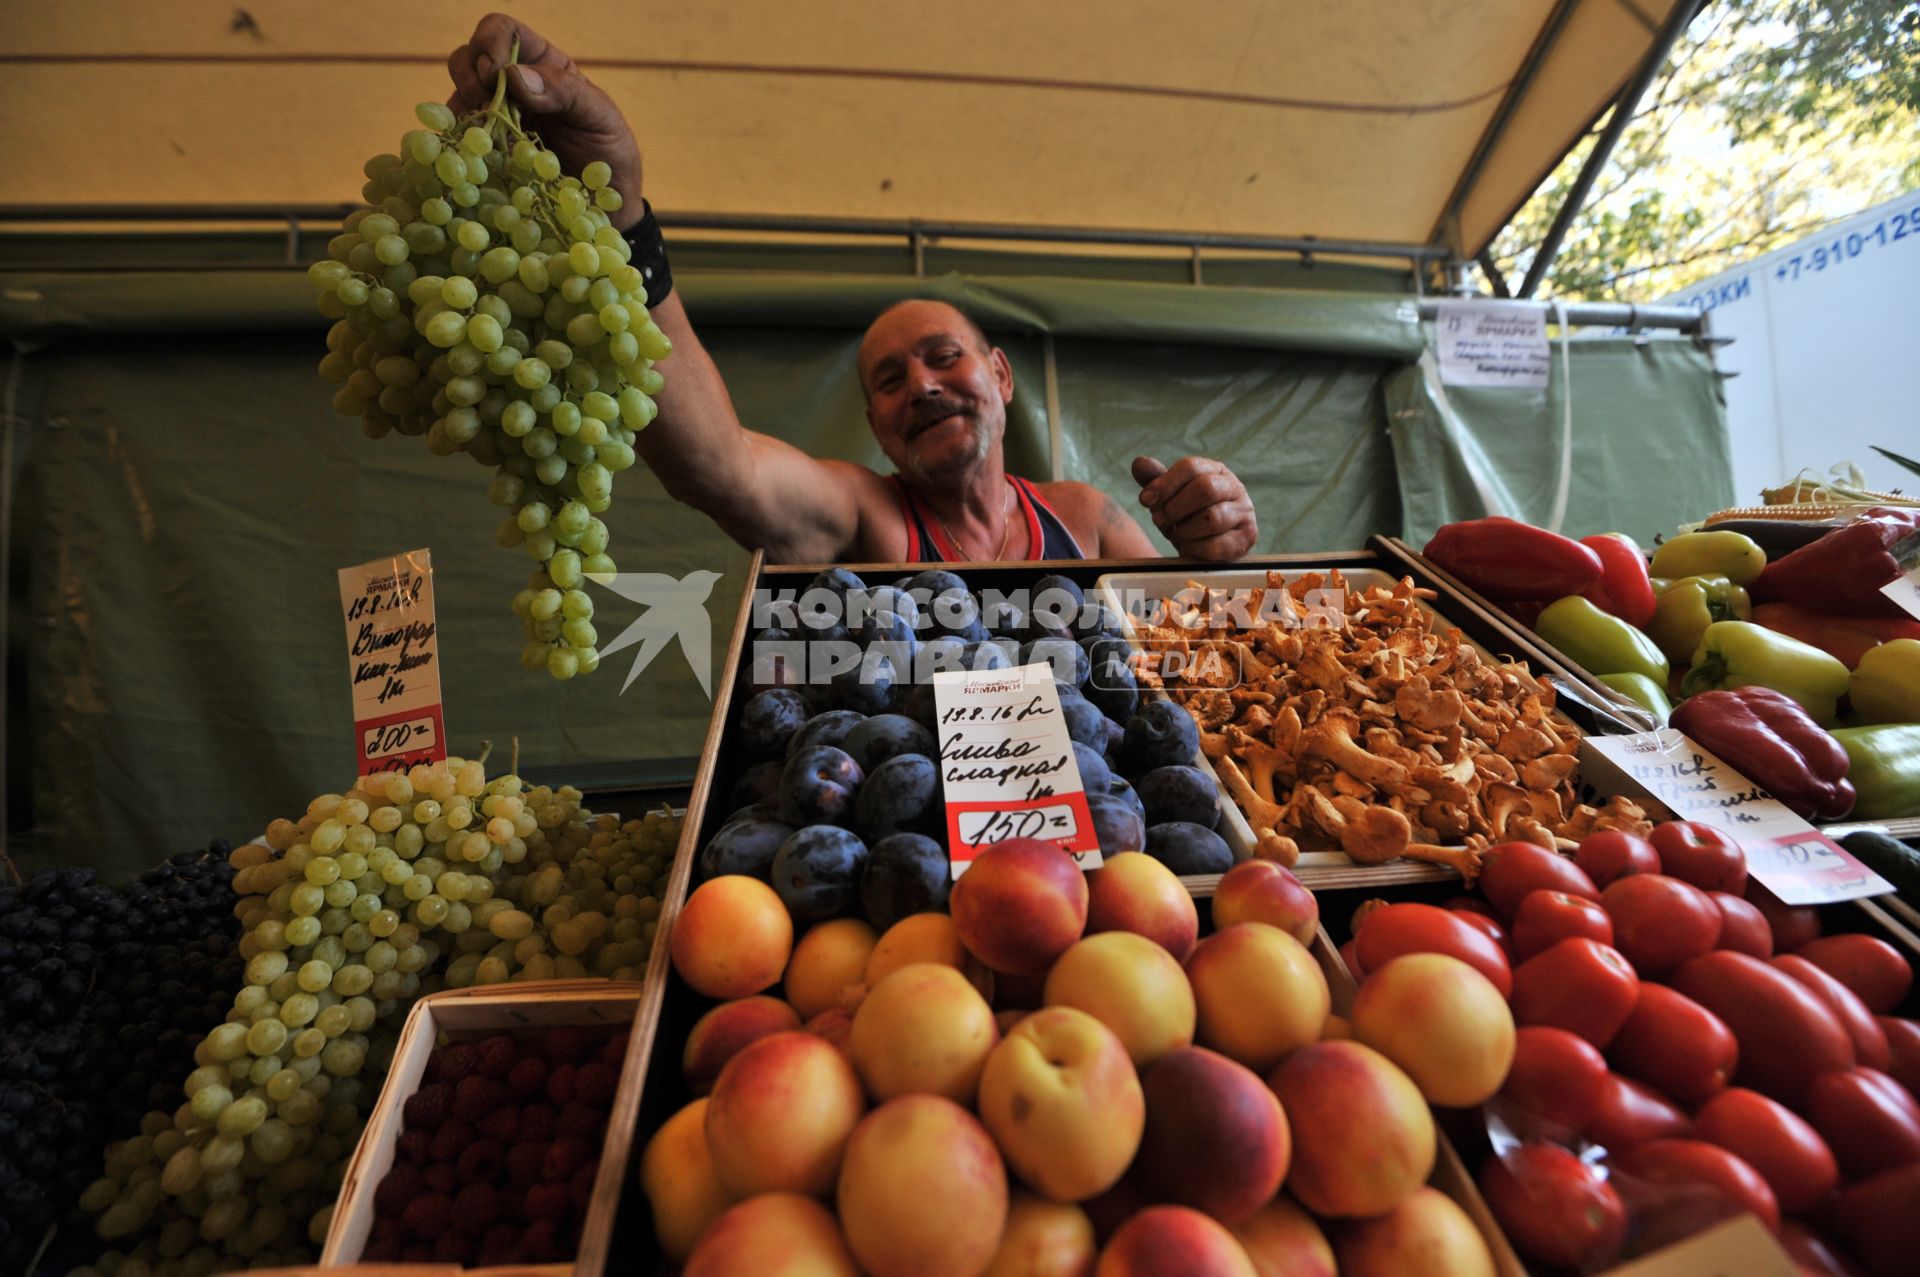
[
  {"x": 936, "y": 391},
  {"x": 920, "y": 315}
]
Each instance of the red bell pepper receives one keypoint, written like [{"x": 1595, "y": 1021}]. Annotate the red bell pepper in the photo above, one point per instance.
[
  {"x": 1848, "y": 638},
  {"x": 1766, "y": 737},
  {"x": 1506, "y": 559},
  {"x": 1623, "y": 588},
  {"x": 1843, "y": 571}
]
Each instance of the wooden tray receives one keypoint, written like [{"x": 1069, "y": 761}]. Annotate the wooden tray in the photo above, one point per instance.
[{"x": 476, "y": 1012}]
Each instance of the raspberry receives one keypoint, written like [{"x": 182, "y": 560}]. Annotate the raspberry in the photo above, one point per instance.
[
  {"x": 560, "y": 1085},
  {"x": 453, "y": 1248},
  {"x": 614, "y": 1053},
  {"x": 568, "y": 1044},
  {"x": 537, "y": 1122},
  {"x": 481, "y": 1161},
  {"x": 595, "y": 1084},
  {"x": 451, "y": 1063},
  {"x": 580, "y": 1192},
  {"x": 502, "y": 1126},
  {"x": 526, "y": 1162},
  {"x": 547, "y": 1202},
  {"x": 412, "y": 1147},
  {"x": 529, "y": 1077},
  {"x": 475, "y": 1097},
  {"x": 427, "y": 1107},
  {"x": 564, "y": 1156},
  {"x": 426, "y": 1216},
  {"x": 397, "y": 1187},
  {"x": 539, "y": 1244},
  {"x": 474, "y": 1210},
  {"x": 579, "y": 1120},
  {"x": 441, "y": 1179},
  {"x": 450, "y": 1139},
  {"x": 498, "y": 1055}
]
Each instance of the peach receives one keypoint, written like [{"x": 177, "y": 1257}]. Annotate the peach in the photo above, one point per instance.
[
  {"x": 723, "y": 1032},
  {"x": 1261, "y": 891},
  {"x": 1283, "y": 1241},
  {"x": 1441, "y": 1021},
  {"x": 1020, "y": 904},
  {"x": 678, "y": 1176},
  {"x": 1216, "y": 1138},
  {"x": 732, "y": 938},
  {"x": 835, "y": 1025},
  {"x": 772, "y": 1235},
  {"x": 1426, "y": 1235},
  {"x": 1163, "y": 1240},
  {"x": 780, "y": 1116},
  {"x": 923, "y": 1192},
  {"x": 1044, "y": 1239},
  {"x": 925, "y": 937},
  {"x": 1134, "y": 892},
  {"x": 1131, "y": 985},
  {"x": 1363, "y": 1136},
  {"x": 1337, "y": 1028},
  {"x": 830, "y": 958},
  {"x": 1259, "y": 992},
  {"x": 1061, "y": 1096},
  {"x": 922, "y": 1029}
]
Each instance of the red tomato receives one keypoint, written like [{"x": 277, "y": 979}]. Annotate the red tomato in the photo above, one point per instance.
[
  {"x": 1876, "y": 971},
  {"x": 1631, "y": 1114},
  {"x": 1869, "y": 1041},
  {"x": 1512, "y": 869},
  {"x": 1468, "y": 904},
  {"x": 1787, "y": 1034},
  {"x": 1651, "y": 1173},
  {"x": 1675, "y": 1045},
  {"x": 1868, "y": 1119},
  {"x": 1556, "y": 1076},
  {"x": 1903, "y": 1044},
  {"x": 1774, "y": 1140},
  {"x": 1743, "y": 928},
  {"x": 1701, "y": 855},
  {"x": 1792, "y": 925},
  {"x": 1612, "y": 854},
  {"x": 1660, "y": 922},
  {"x": 1580, "y": 985},
  {"x": 1490, "y": 925},
  {"x": 1554, "y": 1207},
  {"x": 1545, "y": 918},
  {"x": 1388, "y": 932},
  {"x": 1881, "y": 1217},
  {"x": 1814, "y": 1254}
]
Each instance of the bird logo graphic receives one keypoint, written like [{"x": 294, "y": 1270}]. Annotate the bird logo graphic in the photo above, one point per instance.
[{"x": 675, "y": 608}]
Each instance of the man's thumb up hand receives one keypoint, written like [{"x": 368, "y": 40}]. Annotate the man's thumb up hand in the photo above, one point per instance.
[{"x": 1199, "y": 505}]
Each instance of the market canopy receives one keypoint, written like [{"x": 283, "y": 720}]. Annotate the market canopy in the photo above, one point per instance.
[{"x": 1397, "y": 121}]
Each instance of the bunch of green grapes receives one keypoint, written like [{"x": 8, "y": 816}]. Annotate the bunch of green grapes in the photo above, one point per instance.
[
  {"x": 485, "y": 301},
  {"x": 348, "y": 913},
  {"x": 586, "y": 903}
]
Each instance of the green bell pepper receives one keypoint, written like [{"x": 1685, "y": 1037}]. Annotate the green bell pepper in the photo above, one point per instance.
[
  {"x": 1642, "y": 691},
  {"x": 1741, "y": 654},
  {"x": 1886, "y": 683},
  {"x": 1599, "y": 642},
  {"x": 1734, "y": 555},
  {"x": 1686, "y": 608},
  {"x": 1884, "y": 767}
]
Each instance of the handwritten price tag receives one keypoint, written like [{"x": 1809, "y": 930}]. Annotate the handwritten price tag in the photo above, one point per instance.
[
  {"x": 1006, "y": 764},
  {"x": 1795, "y": 861},
  {"x": 393, "y": 654}
]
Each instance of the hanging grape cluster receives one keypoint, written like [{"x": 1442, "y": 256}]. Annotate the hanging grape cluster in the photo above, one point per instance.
[{"x": 484, "y": 300}]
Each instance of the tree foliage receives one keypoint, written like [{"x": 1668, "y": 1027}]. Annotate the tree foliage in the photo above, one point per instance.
[{"x": 1771, "y": 119}]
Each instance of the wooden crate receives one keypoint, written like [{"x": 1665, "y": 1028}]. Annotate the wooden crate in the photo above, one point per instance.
[{"x": 464, "y": 1014}]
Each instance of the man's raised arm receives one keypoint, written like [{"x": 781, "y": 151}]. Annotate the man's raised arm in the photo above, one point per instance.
[{"x": 765, "y": 493}]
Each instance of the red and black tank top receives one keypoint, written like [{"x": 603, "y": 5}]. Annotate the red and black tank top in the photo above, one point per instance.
[{"x": 927, "y": 541}]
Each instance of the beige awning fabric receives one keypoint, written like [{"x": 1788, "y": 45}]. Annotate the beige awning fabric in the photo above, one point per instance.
[{"x": 1341, "y": 119}]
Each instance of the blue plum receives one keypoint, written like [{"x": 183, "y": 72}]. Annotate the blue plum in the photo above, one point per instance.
[
  {"x": 757, "y": 784},
  {"x": 905, "y": 874},
  {"x": 1095, "y": 775},
  {"x": 1085, "y": 724},
  {"x": 743, "y": 847},
  {"x": 1112, "y": 687},
  {"x": 829, "y": 727},
  {"x": 817, "y": 872},
  {"x": 1180, "y": 792},
  {"x": 901, "y": 795},
  {"x": 937, "y": 581},
  {"x": 1160, "y": 735},
  {"x": 1187, "y": 848},
  {"x": 818, "y": 785},
  {"x": 1116, "y": 824},
  {"x": 1069, "y": 659},
  {"x": 767, "y": 720},
  {"x": 868, "y": 687},
  {"x": 884, "y": 735}
]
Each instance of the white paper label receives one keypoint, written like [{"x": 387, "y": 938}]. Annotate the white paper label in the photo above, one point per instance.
[
  {"x": 393, "y": 658},
  {"x": 1493, "y": 343},
  {"x": 1905, "y": 590},
  {"x": 1006, "y": 764},
  {"x": 1795, "y": 861}
]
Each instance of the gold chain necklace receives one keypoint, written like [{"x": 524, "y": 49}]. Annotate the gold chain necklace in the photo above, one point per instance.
[{"x": 1006, "y": 529}]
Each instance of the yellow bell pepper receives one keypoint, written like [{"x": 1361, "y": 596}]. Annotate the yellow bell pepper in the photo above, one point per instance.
[{"x": 1885, "y": 687}]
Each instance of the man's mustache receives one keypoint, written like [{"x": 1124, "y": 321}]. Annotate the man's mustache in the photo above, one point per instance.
[{"x": 931, "y": 412}]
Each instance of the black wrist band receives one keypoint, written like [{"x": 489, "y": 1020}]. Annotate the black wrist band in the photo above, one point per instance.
[{"x": 650, "y": 256}]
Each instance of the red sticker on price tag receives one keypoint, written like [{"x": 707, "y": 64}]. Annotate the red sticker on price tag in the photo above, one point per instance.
[
  {"x": 1007, "y": 767},
  {"x": 393, "y": 658}
]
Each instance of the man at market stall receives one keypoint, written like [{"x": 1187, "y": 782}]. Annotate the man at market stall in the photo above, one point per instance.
[{"x": 936, "y": 390}]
